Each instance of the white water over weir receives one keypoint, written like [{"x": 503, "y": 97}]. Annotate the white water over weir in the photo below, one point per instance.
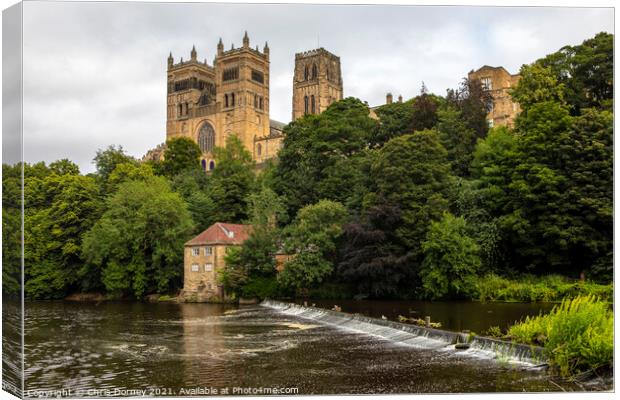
[{"x": 417, "y": 336}]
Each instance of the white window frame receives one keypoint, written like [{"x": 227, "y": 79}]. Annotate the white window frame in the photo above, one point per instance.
[
  {"x": 208, "y": 267},
  {"x": 195, "y": 267},
  {"x": 195, "y": 251},
  {"x": 487, "y": 83},
  {"x": 208, "y": 251}
]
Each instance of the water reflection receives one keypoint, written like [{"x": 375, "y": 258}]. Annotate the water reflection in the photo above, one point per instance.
[{"x": 144, "y": 346}]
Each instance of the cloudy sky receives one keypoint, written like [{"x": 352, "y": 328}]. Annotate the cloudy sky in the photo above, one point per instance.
[{"x": 95, "y": 73}]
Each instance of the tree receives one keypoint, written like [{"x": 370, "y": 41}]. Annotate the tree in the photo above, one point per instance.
[
  {"x": 458, "y": 139},
  {"x": 311, "y": 238},
  {"x": 137, "y": 245},
  {"x": 372, "y": 256},
  {"x": 181, "y": 154},
  {"x": 412, "y": 171},
  {"x": 473, "y": 102},
  {"x": 232, "y": 181},
  {"x": 537, "y": 85},
  {"x": 450, "y": 260},
  {"x": 107, "y": 160},
  {"x": 424, "y": 111},
  {"x": 313, "y": 145},
  {"x": 11, "y": 229},
  {"x": 585, "y": 72},
  {"x": 53, "y": 236},
  {"x": 395, "y": 119},
  {"x": 127, "y": 172}
]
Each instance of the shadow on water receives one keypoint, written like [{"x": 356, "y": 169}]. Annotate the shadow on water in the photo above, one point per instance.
[
  {"x": 453, "y": 315},
  {"x": 140, "y": 346}
]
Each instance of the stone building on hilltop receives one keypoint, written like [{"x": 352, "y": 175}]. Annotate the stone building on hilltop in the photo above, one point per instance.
[{"x": 498, "y": 82}]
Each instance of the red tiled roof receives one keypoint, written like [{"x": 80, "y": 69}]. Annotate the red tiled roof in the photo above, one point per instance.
[{"x": 221, "y": 233}]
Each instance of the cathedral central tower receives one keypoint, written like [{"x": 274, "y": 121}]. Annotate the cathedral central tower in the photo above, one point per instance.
[{"x": 317, "y": 82}]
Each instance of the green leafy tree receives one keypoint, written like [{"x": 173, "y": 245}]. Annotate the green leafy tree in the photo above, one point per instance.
[
  {"x": 232, "y": 181},
  {"x": 311, "y": 238},
  {"x": 395, "y": 119},
  {"x": 585, "y": 72},
  {"x": 424, "y": 111},
  {"x": 451, "y": 260},
  {"x": 412, "y": 172},
  {"x": 537, "y": 85},
  {"x": 181, "y": 154},
  {"x": 107, "y": 160},
  {"x": 137, "y": 245},
  {"x": 53, "y": 236},
  {"x": 313, "y": 145},
  {"x": 11, "y": 229},
  {"x": 458, "y": 139},
  {"x": 126, "y": 172}
]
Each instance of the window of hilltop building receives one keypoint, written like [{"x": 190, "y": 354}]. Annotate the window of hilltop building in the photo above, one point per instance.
[
  {"x": 208, "y": 251},
  {"x": 204, "y": 165},
  {"x": 230, "y": 74},
  {"x": 305, "y": 104},
  {"x": 225, "y": 100},
  {"x": 195, "y": 251},
  {"x": 206, "y": 138},
  {"x": 260, "y": 103},
  {"x": 208, "y": 267},
  {"x": 259, "y": 149},
  {"x": 487, "y": 84},
  {"x": 258, "y": 76},
  {"x": 314, "y": 71},
  {"x": 312, "y": 105},
  {"x": 211, "y": 165},
  {"x": 306, "y": 73},
  {"x": 255, "y": 101},
  {"x": 195, "y": 268},
  {"x": 232, "y": 100}
]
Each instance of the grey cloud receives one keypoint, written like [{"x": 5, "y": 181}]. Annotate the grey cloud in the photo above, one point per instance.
[{"x": 95, "y": 73}]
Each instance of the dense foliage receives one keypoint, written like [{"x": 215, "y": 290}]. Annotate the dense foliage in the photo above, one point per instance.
[
  {"x": 577, "y": 335},
  {"x": 411, "y": 199}
]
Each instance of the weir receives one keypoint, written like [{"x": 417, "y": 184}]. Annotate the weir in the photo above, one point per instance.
[{"x": 417, "y": 336}]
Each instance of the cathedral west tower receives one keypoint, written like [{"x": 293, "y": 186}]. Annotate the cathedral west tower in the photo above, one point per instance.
[{"x": 209, "y": 103}]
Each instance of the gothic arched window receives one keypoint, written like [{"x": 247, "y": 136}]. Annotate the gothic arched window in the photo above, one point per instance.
[
  {"x": 232, "y": 101},
  {"x": 305, "y": 104},
  {"x": 225, "y": 100},
  {"x": 306, "y": 73},
  {"x": 259, "y": 149},
  {"x": 204, "y": 165},
  {"x": 211, "y": 165},
  {"x": 314, "y": 71},
  {"x": 312, "y": 105},
  {"x": 206, "y": 138}
]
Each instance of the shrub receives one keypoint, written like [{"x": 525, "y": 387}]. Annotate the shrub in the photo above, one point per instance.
[
  {"x": 577, "y": 335},
  {"x": 450, "y": 260},
  {"x": 261, "y": 287},
  {"x": 531, "y": 288}
]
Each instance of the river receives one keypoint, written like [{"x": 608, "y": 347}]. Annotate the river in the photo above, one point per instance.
[{"x": 172, "y": 349}]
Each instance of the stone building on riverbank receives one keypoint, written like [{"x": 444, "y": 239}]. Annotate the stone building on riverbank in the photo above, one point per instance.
[{"x": 204, "y": 258}]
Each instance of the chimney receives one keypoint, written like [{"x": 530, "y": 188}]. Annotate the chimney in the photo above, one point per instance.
[{"x": 388, "y": 98}]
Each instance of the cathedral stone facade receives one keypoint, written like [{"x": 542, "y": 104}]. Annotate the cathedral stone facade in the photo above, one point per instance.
[
  {"x": 317, "y": 82},
  {"x": 207, "y": 103}
]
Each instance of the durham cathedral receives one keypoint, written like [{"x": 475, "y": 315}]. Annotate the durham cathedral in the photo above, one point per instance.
[{"x": 207, "y": 103}]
